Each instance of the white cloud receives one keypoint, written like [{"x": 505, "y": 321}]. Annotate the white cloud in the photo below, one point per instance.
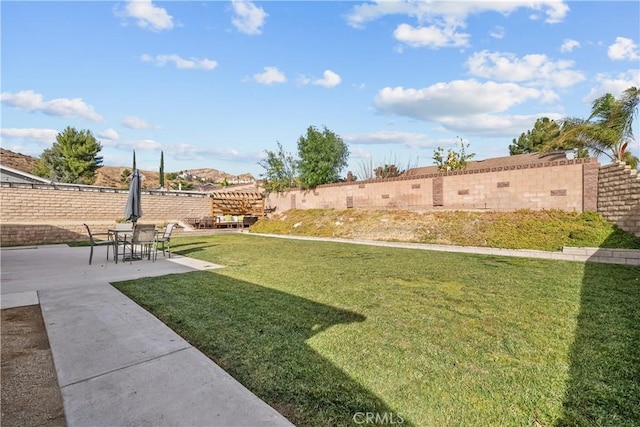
[
  {"x": 497, "y": 32},
  {"x": 270, "y": 76},
  {"x": 466, "y": 107},
  {"x": 434, "y": 36},
  {"x": 614, "y": 85},
  {"x": 494, "y": 125},
  {"x": 329, "y": 79},
  {"x": 109, "y": 134},
  {"x": 41, "y": 136},
  {"x": 569, "y": 45},
  {"x": 61, "y": 107},
  {"x": 146, "y": 144},
  {"x": 148, "y": 16},
  {"x": 248, "y": 18},
  {"x": 408, "y": 139},
  {"x": 180, "y": 63},
  {"x": 536, "y": 69},
  {"x": 133, "y": 122},
  {"x": 424, "y": 11},
  {"x": 137, "y": 144},
  {"x": 623, "y": 49},
  {"x": 183, "y": 151},
  {"x": 357, "y": 152},
  {"x": 458, "y": 98},
  {"x": 303, "y": 80}
]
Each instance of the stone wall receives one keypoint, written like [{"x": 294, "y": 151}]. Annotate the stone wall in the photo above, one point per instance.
[
  {"x": 562, "y": 184},
  {"x": 33, "y": 214},
  {"x": 619, "y": 196}
]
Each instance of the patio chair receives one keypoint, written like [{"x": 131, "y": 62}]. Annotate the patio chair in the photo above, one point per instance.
[
  {"x": 165, "y": 238},
  {"x": 99, "y": 242},
  {"x": 144, "y": 236},
  {"x": 206, "y": 222}
]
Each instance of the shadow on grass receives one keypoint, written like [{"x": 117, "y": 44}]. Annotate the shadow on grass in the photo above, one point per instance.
[
  {"x": 604, "y": 371},
  {"x": 187, "y": 248},
  {"x": 260, "y": 336}
]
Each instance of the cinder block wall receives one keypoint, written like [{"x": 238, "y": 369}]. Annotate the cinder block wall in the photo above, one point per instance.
[
  {"x": 45, "y": 214},
  {"x": 567, "y": 184},
  {"x": 619, "y": 196}
]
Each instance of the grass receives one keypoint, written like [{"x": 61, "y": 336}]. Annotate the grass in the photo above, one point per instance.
[
  {"x": 324, "y": 330},
  {"x": 547, "y": 230}
]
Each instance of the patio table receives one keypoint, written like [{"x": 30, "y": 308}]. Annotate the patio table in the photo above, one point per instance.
[{"x": 120, "y": 237}]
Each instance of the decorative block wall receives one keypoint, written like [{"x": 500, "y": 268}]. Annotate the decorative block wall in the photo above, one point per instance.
[
  {"x": 619, "y": 196},
  {"x": 562, "y": 184},
  {"x": 33, "y": 214}
]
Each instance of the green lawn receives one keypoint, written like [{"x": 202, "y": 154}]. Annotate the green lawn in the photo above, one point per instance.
[{"x": 322, "y": 331}]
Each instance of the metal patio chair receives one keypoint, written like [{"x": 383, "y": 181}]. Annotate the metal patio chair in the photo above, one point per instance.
[
  {"x": 165, "y": 238},
  {"x": 144, "y": 236},
  {"x": 98, "y": 242}
]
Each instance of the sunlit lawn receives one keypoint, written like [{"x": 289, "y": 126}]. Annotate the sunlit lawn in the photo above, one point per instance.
[{"x": 322, "y": 331}]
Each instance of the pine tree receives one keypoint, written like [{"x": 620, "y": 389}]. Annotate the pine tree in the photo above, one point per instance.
[{"x": 73, "y": 158}]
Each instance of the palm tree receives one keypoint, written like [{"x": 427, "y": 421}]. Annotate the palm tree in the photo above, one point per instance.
[{"x": 609, "y": 129}]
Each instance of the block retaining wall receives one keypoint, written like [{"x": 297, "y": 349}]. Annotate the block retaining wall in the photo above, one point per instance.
[
  {"x": 35, "y": 214},
  {"x": 564, "y": 184},
  {"x": 619, "y": 196}
]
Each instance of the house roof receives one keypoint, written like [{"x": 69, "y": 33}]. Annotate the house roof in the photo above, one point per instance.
[
  {"x": 507, "y": 161},
  {"x": 9, "y": 174}
]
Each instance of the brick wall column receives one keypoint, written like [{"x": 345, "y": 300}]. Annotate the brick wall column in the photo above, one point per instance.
[
  {"x": 438, "y": 192},
  {"x": 590, "y": 173}
]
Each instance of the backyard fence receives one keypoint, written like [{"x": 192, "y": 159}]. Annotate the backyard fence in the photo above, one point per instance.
[{"x": 39, "y": 213}]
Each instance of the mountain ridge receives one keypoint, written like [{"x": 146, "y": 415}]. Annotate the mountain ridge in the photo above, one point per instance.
[{"x": 112, "y": 176}]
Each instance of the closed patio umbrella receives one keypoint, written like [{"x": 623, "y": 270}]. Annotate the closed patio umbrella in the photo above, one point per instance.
[{"x": 133, "y": 209}]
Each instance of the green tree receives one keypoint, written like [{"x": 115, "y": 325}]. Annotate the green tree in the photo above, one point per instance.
[
  {"x": 182, "y": 184},
  {"x": 323, "y": 155},
  {"x": 608, "y": 130},
  {"x": 73, "y": 158},
  {"x": 536, "y": 139},
  {"x": 546, "y": 136},
  {"x": 124, "y": 175},
  {"x": 280, "y": 170},
  {"x": 161, "y": 177},
  {"x": 388, "y": 171},
  {"x": 453, "y": 160}
]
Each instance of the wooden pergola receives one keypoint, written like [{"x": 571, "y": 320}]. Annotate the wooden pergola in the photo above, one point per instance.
[{"x": 237, "y": 203}]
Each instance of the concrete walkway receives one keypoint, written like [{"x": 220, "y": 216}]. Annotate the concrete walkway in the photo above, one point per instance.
[
  {"x": 116, "y": 363},
  {"x": 601, "y": 255}
]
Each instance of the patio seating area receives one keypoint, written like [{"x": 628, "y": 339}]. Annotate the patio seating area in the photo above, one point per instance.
[
  {"x": 131, "y": 242},
  {"x": 222, "y": 221},
  {"x": 231, "y": 210}
]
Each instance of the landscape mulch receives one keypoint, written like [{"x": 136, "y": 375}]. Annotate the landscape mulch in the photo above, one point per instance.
[{"x": 30, "y": 392}]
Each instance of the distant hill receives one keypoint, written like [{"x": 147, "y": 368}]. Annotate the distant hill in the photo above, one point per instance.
[
  {"x": 111, "y": 176},
  {"x": 18, "y": 161}
]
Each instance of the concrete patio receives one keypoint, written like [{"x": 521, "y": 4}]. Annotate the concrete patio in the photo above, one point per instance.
[{"x": 117, "y": 364}]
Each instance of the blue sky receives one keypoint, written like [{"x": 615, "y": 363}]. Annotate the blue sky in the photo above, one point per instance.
[{"x": 213, "y": 84}]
